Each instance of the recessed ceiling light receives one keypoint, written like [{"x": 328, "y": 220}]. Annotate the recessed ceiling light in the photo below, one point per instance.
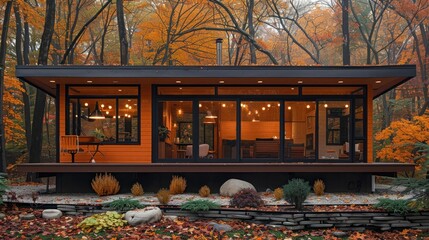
[
  {"x": 289, "y": 108},
  {"x": 178, "y": 81},
  {"x": 52, "y": 81},
  {"x": 347, "y": 106},
  {"x": 340, "y": 81},
  {"x": 221, "y": 81},
  {"x": 378, "y": 81},
  {"x": 180, "y": 88},
  {"x": 308, "y": 106},
  {"x": 223, "y": 105},
  {"x": 326, "y": 105},
  {"x": 89, "y": 81},
  {"x": 260, "y": 81},
  {"x": 200, "y": 105},
  {"x": 115, "y": 81},
  {"x": 300, "y": 81},
  {"x": 119, "y": 90},
  {"x": 292, "y": 88}
]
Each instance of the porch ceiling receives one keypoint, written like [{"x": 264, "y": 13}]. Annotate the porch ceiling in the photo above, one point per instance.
[{"x": 380, "y": 78}]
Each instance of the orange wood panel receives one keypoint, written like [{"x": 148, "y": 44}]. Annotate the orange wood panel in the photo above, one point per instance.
[{"x": 369, "y": 136}]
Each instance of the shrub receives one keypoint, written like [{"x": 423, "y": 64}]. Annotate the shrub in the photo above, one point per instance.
[
  {"x": 98, "y": 222},
  {"x": 3, "y": 188},
  {"x": 105, "y": 185},
  {"x": 204, "y": 191},
  {"x": 246, "y": 198},
  {"x": 199, "y": 205},
  {"x": 319, "y": 187},
  {"x": 399, "y": 206},
  {"x": 137, "y": 189},
  {"x": 124, "y": 204},
  {"x": 296, "y": 191},
  {"x": 177, "y": 185},
  {"x": 278, "y": 194},
  {"x": 163, "y": 196}
]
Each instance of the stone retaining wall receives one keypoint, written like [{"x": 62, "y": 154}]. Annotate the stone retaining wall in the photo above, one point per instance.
[{"x": 346, "y": 221}]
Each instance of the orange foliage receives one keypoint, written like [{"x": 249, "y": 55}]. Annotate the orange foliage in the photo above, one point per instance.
[{"x": 399, "y": 139}]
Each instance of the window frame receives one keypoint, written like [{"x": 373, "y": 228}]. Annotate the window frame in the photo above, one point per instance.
[
  {"x": 95, "y": 96},
  {"x": 238, "y": 99}
]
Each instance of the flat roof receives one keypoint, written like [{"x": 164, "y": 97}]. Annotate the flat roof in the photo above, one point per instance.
[{"x": 380, "y": 78}]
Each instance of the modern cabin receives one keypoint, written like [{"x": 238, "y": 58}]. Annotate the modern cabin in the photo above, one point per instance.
[{"x": 264, "y": 124}]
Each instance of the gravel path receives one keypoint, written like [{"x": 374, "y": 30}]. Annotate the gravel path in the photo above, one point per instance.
[{"x": 24, "y": 194}]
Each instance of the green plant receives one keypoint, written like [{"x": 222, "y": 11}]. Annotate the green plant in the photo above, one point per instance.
[
  {"x": 163, "y": 133},
  {"x": 204, "y": 191},
  {"x": 124, "y": 204},
  {"x": 246, "y": 198},
  {"x": 278, "y": 194},
  {"x": 3, "y": 188},
  {"x": 177, "y": 185},
  {"x": 199, "y": 205},
  {"x": 98, "y": 134},
  {"x": 102, "y": 221},
  {"x": 163, "y": 196},
  {"x": 319, "y": 187},
  {"x": 400, "y": 206},
  {"x": 296, "y": 191}
]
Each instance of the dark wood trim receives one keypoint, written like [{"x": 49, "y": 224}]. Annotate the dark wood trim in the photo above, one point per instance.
[{"x": 373, "y": 168}]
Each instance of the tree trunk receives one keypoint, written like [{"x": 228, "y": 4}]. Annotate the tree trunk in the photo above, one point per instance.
[
  {"x": 250, "y": 7},
  {"x": 39, "y": 106},
  {"x": 122, "y": 32},
  {"x": 3, "y": 47},
  {"x": 19, "y": 61},
  {"x": 346, "y": 33}
]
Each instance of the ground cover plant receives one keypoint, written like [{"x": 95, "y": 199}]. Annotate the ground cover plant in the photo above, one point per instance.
[
  {"x": 400, "y": 206},
  {"x": 246, "y": 198},
  {"x": 124, "y": 204},
  {"x": 103, "y": 221},
  {"x": 199, "y": 205}
]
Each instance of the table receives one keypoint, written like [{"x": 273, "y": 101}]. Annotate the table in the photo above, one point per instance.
[{"x": 95, "y": 143}]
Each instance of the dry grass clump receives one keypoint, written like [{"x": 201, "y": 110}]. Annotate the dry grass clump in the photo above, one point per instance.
[
  {"x": 163, "y": 196},
  {"x": 105, "y": 184},
  {"x": 204, "y": 191},
  {"x": 278, "y": 193},
  {"x": 137, "y": 189},
  {"x": 177, "y": 185},
  {"x": 319, "y": 187}
]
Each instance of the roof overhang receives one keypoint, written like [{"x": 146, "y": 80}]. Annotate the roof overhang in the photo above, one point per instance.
[{"x": 380, "y": 78}]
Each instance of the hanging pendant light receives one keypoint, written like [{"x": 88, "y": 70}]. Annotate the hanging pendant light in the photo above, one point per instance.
[
  {"x": 209, "y": 118},
  {"x": 97, "y": 114}
]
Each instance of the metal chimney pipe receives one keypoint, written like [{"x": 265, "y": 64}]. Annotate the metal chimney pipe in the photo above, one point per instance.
[{"x": 219, "y": 51}]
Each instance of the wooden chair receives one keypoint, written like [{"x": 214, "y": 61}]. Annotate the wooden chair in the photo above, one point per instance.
[{"x": 70, "y": 144}]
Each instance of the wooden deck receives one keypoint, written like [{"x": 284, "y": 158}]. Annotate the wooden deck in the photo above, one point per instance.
[{"x": 373, "y": 168}]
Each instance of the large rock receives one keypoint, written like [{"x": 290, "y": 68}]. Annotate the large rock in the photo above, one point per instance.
[
  {"x": 220, "y": 227},
  {"x": 51, "y": 213},
  {"x": 233, "y": 186},
  {"x": 145, "y": 215}
]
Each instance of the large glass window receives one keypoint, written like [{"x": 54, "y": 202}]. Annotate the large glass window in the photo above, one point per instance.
[
  {"x": 300, "y": 130},
  {"x": 334, "y": 125},
  {"x": 284, "y": 128},
  {"x": 175, "y": 118},
  {"x": 217, "y": 129},
  {"x": 111, "y": 116},
  {"x": 260, "y": 129}
]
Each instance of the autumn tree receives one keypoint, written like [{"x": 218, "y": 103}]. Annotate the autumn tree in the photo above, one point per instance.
[{"x": 399, "y": 140}]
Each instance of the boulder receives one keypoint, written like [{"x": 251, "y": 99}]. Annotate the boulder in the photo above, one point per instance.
[
  {"x": 51, "y": 213},
  {"x": 2, "y": 216},
  {"x": 233, "y": 186},
  {"x": 145, "y": 215}
]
